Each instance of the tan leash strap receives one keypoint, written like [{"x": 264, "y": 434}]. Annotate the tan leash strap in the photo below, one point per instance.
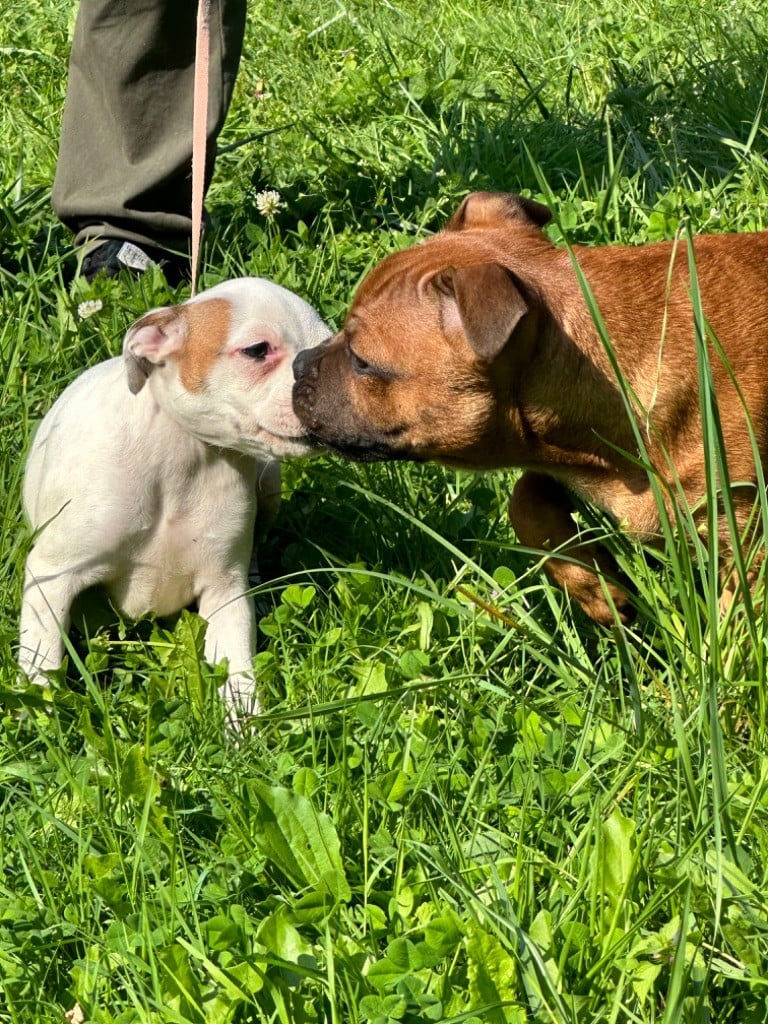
[{"x": 200, "y": 128}]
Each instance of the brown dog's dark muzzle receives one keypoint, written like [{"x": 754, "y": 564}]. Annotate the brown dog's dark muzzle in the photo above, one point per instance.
[
  {"x": 306, "y": 368},
  {"x": 322, "y": 402},
  {"x": 305, "y": 363}
]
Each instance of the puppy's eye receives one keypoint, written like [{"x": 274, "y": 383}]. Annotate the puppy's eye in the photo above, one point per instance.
[{"x": 258, "y": 351}]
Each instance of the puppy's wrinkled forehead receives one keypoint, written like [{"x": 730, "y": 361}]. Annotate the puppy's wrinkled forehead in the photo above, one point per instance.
[
  {"x": 246, "y": 327},
  {"x": 197, "y": 333},
  {"x": 208, "y": 327}
]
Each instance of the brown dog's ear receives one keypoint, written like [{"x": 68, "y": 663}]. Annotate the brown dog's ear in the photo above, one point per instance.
[
  {"x": 484, "y": 302},
  {"x": 150, "y": 341},
  {"x": 492, "y": 209}
]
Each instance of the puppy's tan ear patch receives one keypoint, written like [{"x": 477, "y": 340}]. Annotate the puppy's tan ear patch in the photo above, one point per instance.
[
  {"x": 151, "y": 341},
  {"x": 494, "y": 209},
  {"x": 483, "y": 302}
]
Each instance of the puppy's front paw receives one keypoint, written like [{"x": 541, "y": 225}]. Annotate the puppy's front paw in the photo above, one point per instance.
[{"x": 241, "y": 699}]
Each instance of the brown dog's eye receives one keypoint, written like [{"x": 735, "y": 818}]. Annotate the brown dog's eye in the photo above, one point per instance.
[
  {"x": 258, "y": 351},
  {"x": 359, "y": 365}
]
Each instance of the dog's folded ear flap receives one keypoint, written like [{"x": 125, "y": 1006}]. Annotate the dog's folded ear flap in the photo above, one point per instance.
[
  {"x": 483, "y": 302},
  {"x": 493, "y": 209},
  {"x": 150, "y": 341}
]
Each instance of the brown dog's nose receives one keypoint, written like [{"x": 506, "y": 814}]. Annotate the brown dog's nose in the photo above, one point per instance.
[{"x": 304, "y": 361}]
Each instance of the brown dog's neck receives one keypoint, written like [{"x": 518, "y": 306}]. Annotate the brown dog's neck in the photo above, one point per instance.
[
  {"x": 565, "y": 402},
  {"x": 557, "y": 401}
]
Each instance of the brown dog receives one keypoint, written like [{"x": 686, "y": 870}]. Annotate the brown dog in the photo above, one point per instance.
[{"x": 477, "y": 349}]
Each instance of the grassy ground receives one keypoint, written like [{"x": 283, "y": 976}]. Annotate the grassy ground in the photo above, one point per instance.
[{"x": 465, "y": 802}]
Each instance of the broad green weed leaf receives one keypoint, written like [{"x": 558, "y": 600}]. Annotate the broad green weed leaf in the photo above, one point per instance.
[
  {"x": 615, "y": 854},
  {"x": 429, "y": 1006},
  {"x": 330, "y": 637},
  {"x": 532, "y": 733},
  {"x": 444, "y": 933},
  {"x": 102, "y": 865},
  {"x": 540, "y": 932},
  {"x": 179, "y": 984},
  {"x": 137, "y": 780},
  {"x": 413, "y": 664},
  {"x": 282, "y": 940},
  {"x": 402, "y": 903},
  {"x": 247, "y": 977},
  {"x": 426, "y": 622},
  {"x": 391, "y": 787},
  {"x": 504, "y": 576},
  {"x": 735, "y": 881},
  {"x": 372, "y": 678},
  {"x": 190, "y": 635},
  {"x": 312, "y": 908},
  {"x": 306, "y": 782},
  {"x": 300, "y": 841},
  {"x": 492, "y": 976},
  {"x": 644, "y": 976},
  {"x": 222, "y": 933},
  {"x": 91, "y": 737},
  {"x": 181, "y": 656}
]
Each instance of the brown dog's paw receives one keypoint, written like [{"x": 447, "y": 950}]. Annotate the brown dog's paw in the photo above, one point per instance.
[
  {"x": 601, "y": 612},
  {"x": 589, "y": 591},
  {"x": 540, "y": 513}
]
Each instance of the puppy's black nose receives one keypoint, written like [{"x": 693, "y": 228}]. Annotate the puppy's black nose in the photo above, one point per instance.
[{"x": 302, "y": 364}]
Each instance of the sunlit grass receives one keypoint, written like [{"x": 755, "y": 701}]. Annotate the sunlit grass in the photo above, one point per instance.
[{"x": 464, "y": 801}]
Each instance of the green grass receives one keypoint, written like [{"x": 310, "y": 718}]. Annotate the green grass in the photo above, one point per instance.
[{"x": 464, "y": 802}]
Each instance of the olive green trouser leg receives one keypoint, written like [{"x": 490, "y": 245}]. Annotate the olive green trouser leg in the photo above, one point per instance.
[{"x": 124, "y": 166}]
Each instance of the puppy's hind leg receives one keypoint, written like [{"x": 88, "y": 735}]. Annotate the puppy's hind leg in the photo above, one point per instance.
[
  {"x": 268, "y": 498},
  {"x": 540, "y": 513}
]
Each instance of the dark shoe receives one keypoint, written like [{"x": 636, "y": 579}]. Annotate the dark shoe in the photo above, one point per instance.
[{"x": 115, "y": 255}]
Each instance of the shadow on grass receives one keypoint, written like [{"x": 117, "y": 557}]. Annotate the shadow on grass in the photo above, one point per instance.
[
  {"x": 327, "y": 511},
  {"x": 687, "y": 127}
]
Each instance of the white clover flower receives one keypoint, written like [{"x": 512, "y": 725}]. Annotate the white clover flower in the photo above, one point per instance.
[
  {"x": 268, "y": 203},
  {"x": 88, "y": 308}
]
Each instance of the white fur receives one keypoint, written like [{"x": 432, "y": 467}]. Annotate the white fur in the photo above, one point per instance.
[{"x": 153, "y": 494}]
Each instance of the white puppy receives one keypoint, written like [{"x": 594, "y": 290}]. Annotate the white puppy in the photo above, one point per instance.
[{"x": 144, "y": 475}]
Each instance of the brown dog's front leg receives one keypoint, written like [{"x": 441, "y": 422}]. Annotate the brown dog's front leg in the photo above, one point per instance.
[{"x": 540, "y": 513}]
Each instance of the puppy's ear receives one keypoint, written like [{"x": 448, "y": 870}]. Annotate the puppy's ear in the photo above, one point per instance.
[
  {"x": 483, "y": 302},
  {"x": 494, "y": 209},
  {"x": 150, "y": 341}
]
